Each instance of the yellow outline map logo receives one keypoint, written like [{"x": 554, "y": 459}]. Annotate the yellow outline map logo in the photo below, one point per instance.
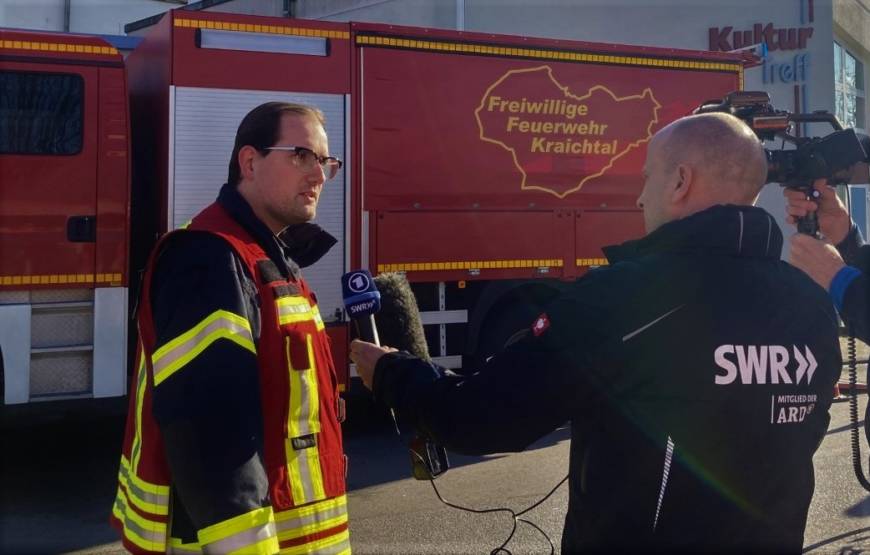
[{"x": 559, "y": 141}]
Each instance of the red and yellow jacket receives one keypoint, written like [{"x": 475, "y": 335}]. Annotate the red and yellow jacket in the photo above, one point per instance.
[{"x": 233, "y": 441}]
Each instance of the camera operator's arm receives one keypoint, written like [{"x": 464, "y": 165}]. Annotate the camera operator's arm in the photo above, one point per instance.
[{"x": 847, "y": 285}]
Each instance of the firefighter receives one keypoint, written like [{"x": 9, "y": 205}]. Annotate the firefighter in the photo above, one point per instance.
[
  {"x": 233, "y": 439},
  {"x": 696, "y": 385}
]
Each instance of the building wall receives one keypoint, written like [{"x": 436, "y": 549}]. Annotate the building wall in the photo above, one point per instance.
[
  {"x": 108, "y": 17},
  {"x": 43, "y": 15},
  {"x": 98, "y": 17},
  {"x": 421, "y": 13}
]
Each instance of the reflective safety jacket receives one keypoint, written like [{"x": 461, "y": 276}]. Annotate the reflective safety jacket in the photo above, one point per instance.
[{"x": 295, "y": 452}]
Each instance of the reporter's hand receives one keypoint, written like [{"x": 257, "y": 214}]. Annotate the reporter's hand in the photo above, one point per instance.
[
  {"x": 366, "y": 355},
  {"x": 834, "y": 222},
  {"x": 820, "y": 260}
]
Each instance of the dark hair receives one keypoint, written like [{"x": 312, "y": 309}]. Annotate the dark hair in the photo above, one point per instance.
[{"x": 260, "y": 129}]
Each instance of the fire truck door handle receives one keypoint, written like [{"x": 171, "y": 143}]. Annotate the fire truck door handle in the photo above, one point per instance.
[{"x": 81, "y": 229}]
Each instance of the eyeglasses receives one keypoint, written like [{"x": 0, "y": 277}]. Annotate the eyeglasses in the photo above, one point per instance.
[{"x": 306, "y": 160}]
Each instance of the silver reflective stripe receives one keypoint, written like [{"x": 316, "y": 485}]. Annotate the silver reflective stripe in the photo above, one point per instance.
[
  {"x": 153, "y": 498},
  {"x": 305, "y": 473},
  {"x": 153, "y": 536},
  {"x": 314, "y": 518},
  {"x": 669, "y": 453},
  {"x": 140, "y": 387},
  {"x": 654, "y": 322},
  {"x": 740, "y": 238},
  {"x": 241, "y": 539},
  {"x": 287, "y": 309},
  {"x": 166, "y": 360},
  {"x": 302, "y": 423},
  {"x": 340, "y": 547}
]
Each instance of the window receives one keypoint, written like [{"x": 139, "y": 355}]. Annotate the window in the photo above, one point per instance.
[
  {"x": 41, "y": 113},
  {"x": 849, "y": 88}
]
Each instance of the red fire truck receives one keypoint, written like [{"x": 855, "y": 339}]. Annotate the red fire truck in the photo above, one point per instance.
[{"x": 489, "y": 169}]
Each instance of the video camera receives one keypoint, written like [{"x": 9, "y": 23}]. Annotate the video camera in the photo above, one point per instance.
[{"x": 840, "y": 157}]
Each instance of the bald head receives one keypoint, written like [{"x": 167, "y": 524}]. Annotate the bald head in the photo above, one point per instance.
[
  {"x": 725, "y": 152},
  {"x": 697, "y": 162}
]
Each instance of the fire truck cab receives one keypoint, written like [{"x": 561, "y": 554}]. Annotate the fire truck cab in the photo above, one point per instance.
[{"x": 64, "y": 170}]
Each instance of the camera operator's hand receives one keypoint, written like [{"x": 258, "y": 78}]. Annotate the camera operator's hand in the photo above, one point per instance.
[
  {"x": 834, "y": 222},
  {"x": 820, "y": 260}
]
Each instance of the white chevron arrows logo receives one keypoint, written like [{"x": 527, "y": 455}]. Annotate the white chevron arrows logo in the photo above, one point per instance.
[
  {"x": 763, "y": 364},
  {"x": 806, "y": 365}
]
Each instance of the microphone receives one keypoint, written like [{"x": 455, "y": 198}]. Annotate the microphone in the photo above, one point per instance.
[
  {"x": 398, "y": 318},
  {"x": 361, "y": 300},
  {"x": 398, "y": 322}
]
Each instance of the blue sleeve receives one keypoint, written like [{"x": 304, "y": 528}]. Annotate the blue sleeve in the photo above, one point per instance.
[
  {"x": 853, "y": 290},
  {"x": 840, "y": 284}
]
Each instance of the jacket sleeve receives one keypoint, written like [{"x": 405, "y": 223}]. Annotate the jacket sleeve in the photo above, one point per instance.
[
  {"x": 855, "y": 309},
  {"x": 206, "y": 394},
  {"x": 854, "y": 306},
  {"x": 518, "y": 396}
]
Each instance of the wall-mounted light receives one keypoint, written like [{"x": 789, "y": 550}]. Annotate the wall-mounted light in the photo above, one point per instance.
[{"x": 261, "y": 42}]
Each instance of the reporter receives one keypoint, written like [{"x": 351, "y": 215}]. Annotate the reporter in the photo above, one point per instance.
[
  {"x": 697, "y": 388},
  {"x": 842, "y": 270},
  {"x": 683, "y": 367}
]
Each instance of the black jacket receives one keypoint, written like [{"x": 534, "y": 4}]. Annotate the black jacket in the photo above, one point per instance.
[
  {"x": 855, "y": 308},
  {"x": 209, "y": 413},
  {"x": 697, "y": 372}
]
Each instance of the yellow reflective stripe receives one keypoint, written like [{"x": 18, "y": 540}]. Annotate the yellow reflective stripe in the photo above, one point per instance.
[
  {"x": 157, "y": 489},
  {"x": 177, "y": 546},
  {"x": 220, "y": 324},
  {"x": 293, "y": 309},
  {"x": 267, "y": 546},
  {"x": 298, "y": 516},
  {"x": 317, "y": 522},
  {"x": 141, "y": 376},
  {"x": 146, "y": 534},
  {"x": 330, "y": 545},
  {"x": 318, "y": 321},
  {"x": 148, "y": 497},
  {"x": 310, "y": 381},
  {"x": 252, "y": 532},
  {"x": 304, "y": 415},
  {"x": 312, "y": 518},
  {"x": 305, "y": 476},
  {"x": 303, "y": 465}
]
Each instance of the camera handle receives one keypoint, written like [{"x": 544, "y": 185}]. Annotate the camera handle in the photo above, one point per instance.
[{"x": 809, "y": 224}]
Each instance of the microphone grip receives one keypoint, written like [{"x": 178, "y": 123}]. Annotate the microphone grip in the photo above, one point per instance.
[{"x": 367, "y": 330}]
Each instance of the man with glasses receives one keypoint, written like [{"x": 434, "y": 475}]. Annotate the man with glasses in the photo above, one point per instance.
[{"x": 233, "y": 439}]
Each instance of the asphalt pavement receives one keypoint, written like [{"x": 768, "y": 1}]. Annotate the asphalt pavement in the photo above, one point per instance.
[{"x": 58, "y": 483}]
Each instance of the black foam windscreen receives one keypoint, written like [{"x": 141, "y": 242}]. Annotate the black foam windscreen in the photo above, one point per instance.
[{"x": 398, "y": 321}]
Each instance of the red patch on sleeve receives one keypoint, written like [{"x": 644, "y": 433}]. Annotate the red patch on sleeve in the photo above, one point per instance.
[{"x": 542, "y": 323}]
